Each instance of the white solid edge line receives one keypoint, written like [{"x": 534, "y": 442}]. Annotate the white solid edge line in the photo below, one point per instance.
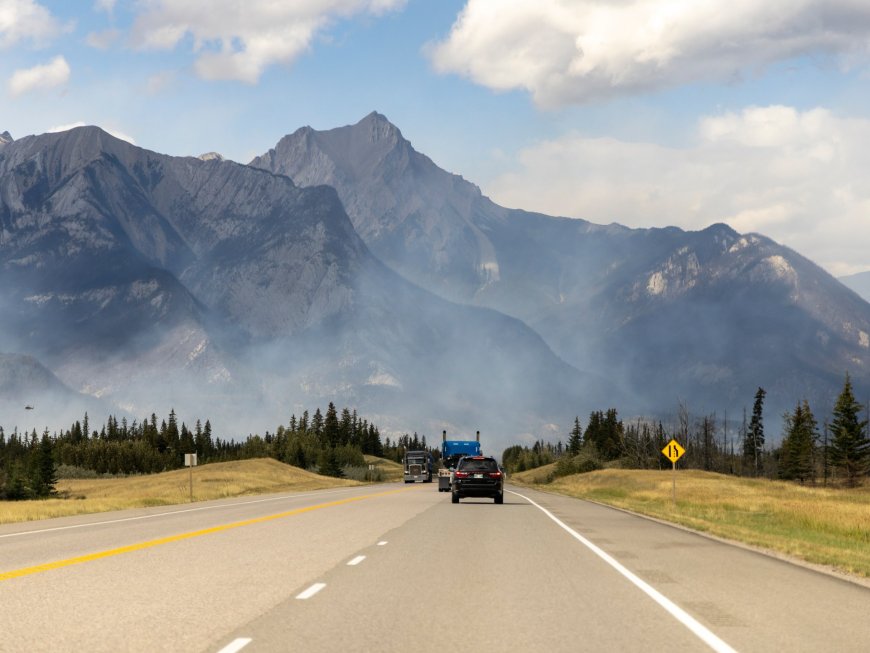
[
  {"x": 356, "y": 561},
  {"x": 311, "y": 591},
  {"x": 701, "y": 631},
  {"x": 236, "y": 645}
]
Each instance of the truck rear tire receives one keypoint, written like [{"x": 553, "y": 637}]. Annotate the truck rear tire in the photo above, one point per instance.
[
  {"x": 499, "y": 498},
  {"x": 454, "y": 497}
]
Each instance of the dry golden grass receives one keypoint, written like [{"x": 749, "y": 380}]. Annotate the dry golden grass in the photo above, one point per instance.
[
  {"x": 391, "y": 470},
  {"x": 213, "y": 481},
  {"x": 826, "y": 526}
]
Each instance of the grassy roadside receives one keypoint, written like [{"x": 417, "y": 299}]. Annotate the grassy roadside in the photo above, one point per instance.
[
  {"x": 391, "y": 470},
  {"x": 819, "y": 525},
  {"x": 212, "y": 481}
]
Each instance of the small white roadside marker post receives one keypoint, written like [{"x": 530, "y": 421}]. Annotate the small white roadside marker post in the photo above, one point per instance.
[
  {"x": 673, "y": 451},
  {"x": 190, "y": 462}
]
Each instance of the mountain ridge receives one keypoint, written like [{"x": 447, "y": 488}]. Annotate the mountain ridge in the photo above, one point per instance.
[
  {"x": 214, "y": 283},
  {"x": 606, "y": 298}
]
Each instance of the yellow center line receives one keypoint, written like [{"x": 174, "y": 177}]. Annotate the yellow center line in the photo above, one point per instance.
[{"x": 58, "y": 564}]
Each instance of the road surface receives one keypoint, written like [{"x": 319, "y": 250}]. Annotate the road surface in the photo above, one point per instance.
[{"x": 399, "y": 568}]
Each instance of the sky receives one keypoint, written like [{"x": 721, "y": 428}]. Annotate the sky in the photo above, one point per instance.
[{"x": 647, "y": 113}]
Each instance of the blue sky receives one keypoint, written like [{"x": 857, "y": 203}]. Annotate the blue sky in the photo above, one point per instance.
[{"x": 643, "y": 112}]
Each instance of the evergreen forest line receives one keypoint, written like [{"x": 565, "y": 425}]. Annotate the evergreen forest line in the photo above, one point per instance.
[
  {"x": 332, "y": 443},
  {"x": 838, "y": 452}
]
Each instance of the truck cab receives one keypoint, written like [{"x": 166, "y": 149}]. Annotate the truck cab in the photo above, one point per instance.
[
  {"x": 418, "y": 466},
  {"x": 451, "y": 452}
]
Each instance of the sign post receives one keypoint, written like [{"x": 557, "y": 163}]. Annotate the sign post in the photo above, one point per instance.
[
  {"x": 190, "y": 462},
  {"x": 673, "y": 451}
]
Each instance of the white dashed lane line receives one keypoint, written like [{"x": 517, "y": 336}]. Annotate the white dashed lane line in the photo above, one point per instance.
[
  {"x": 356, "y": 561},
  {"x": 311, "y": 591},
  {"x": 236, "y": 645},
  {"x": 382, "y": 543}
]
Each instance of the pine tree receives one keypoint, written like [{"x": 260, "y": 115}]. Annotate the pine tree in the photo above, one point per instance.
[
  {"x": 753, "y": 443},
  {"x": 330, "y": 426},
  {"x": 328, "y": 465},
  {"x": 575, "y": 442},
  {"x": 850, "y": 447},
  {"x": 346, "y": 434},
  {"x": 797, "y": 454},
  {"x": 46, "y": 473},
  {"x": 317, "y": 423}
]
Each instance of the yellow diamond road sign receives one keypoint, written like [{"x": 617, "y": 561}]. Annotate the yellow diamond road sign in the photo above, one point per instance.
[{"x": 673, "y": 451}]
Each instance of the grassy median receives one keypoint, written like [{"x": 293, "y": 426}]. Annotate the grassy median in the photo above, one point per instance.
[
  {"x": 213, "y": 481},
  {"x": 827, "y": 526}
]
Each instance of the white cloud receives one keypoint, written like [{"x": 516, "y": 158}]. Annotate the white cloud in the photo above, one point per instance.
[
  {"x": 574, "y": 51},
  {"x": 239, "y": 40},
  {"x": 104, "y": 5},
  {"x": 114, "y": 132},
  {"x": 55, "y": 73},
  {"x": 798, "y": 177},
  {"x": 22, "y": 20}
]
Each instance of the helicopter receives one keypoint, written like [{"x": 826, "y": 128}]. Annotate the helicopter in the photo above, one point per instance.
[{"x": 28, "y": 407}]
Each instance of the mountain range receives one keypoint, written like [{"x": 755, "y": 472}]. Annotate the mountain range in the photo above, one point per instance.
[
  {"x": 226, "y": 290},
  {"x": 345, "y": 266},
  {"x": 700, "y": 317}
]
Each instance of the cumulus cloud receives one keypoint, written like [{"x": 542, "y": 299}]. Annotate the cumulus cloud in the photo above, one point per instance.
[
  {"x": 574, "y": 51},
  {"x": 798, "y": 177},
  {"x": 55, "y": 73},
  {"x": 239, "y": 40},
  {"x": 23, "y": 20},
  {"x": 80, "y": 123}
]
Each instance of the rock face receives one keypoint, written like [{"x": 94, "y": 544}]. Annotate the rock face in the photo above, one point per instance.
[
  {"x": 703, "y": 317},
  {"x": 154, "y": 281}
]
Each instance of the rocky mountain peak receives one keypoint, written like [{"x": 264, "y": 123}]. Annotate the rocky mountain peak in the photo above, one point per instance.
[
  {"x": 5, "y": 138},
  {"x": 211, "y": 156},
  {"x": 378, "y": 128}
]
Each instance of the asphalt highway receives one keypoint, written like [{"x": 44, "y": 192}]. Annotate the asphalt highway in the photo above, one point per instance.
[{"x": 400, "y": 568}]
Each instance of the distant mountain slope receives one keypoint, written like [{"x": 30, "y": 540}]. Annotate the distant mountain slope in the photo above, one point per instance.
[
  {"x": 860, "y": 283},
  {"x": 705, "y": 317},
  {"x": 155, "y": 280},
  {"x": 31, "y": 397}
]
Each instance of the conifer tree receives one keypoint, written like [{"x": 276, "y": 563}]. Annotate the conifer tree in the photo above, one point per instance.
[
  {"x": 328, "y": 465},
  {"x": 317, "y": 423},
  {"x": 753, "y": 443},
  {"x": 330, "y": 426},
  {"x": 797, "y": 459},
  {"x": 575, "y": 442},
  {"x": 850, "y": 447},
  {"x": 46, "y": 475}
]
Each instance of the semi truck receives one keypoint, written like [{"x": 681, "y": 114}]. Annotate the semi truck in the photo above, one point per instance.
[
  {"x": 418, "y": 466},
  {"x": 451, "y": 452}
]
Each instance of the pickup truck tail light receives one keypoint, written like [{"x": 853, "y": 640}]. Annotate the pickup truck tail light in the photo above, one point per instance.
[
  {"x": 461, "y": 474},
  {"x": 495, "y": 474}
]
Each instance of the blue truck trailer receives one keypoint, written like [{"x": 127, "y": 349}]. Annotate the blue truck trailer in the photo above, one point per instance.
[{"x": 451, "y": 452}]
